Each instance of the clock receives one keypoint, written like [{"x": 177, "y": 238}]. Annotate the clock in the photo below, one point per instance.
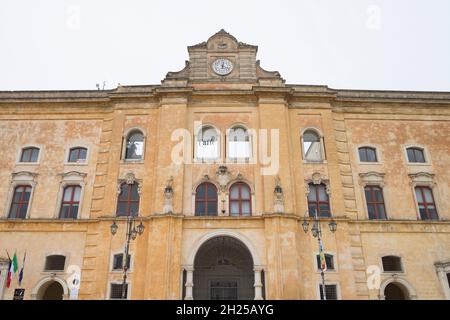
[{"x": 222, "y": 66}]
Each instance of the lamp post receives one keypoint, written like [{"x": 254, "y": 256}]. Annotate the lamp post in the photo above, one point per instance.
[
  {"x": 131, "y": 232},
  {"x": 316, "y": 231}
]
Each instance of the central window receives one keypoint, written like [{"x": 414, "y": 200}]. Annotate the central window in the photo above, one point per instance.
[
  {"x": 70, "y": 202},
  {"x": 240, "y": 200},
  {"x": 128, "y": 201},
  {"x": 318, "y": 201},
  {"x": 239, "y": 143},
  {"x": 206, "y": 200}
]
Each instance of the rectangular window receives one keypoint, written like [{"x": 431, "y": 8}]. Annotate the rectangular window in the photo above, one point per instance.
[
  {"x": 375, "y": 202},
  {"x": 425, "y": 202},
  {"x": 55, "y": 263},
  {"x": 20, "y": 201},
  {"x": 328, "y": 260},
  {"x": 118, "y": 261},
  {"x": 29, "y": 155},
  {"x": 223, "y": 290},
  {"x": 116, "y": 291},
  {"x": 318, "y": 201},
  {"x": 330, "y": 292}
]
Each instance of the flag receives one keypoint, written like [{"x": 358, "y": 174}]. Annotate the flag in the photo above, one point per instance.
[
  {"x": 323, "y": 262},
  {"x": 13, "y": 267},
  {"x": 21, "y": 270}
]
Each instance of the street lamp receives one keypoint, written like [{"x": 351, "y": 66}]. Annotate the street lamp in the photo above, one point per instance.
[
  {"x": 316, "y": 231},
  {"x": 132, "y": 231}
]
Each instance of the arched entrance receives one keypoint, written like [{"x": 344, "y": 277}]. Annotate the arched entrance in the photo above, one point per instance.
[
  {"x": 223, "y": 269},
  {"x": 395, "y": 291},
  {"x": 51, "y": 290}
]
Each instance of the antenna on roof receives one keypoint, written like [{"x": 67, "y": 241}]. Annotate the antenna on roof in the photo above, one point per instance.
[{"x": 98, "y": 86}]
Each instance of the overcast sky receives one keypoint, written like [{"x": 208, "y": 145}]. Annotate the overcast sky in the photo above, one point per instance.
[{"x": 392, "y": 45}]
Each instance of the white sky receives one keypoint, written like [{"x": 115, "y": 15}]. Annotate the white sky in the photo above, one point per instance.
[{"x": 392, "y": 45}]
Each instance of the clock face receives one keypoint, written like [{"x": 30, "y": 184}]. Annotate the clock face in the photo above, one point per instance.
[{"x": 222, "y": 66}]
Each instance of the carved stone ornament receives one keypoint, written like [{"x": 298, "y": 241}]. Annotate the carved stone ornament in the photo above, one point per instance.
[
  {"x": 223, "y": 176},
  {"x": 130, "y": 178},
  {"x": 168, "y": 196},
  {"x": 278, "y": 196}
]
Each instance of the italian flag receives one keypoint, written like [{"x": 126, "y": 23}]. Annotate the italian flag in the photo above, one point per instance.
[{"x": 13, "y": 267}]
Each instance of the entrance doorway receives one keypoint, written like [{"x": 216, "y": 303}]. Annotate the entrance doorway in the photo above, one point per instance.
[
  {"x": 223, "y": 269},
  {"x": 51, "y": 290},
  {"x": 395, "y": 291}
]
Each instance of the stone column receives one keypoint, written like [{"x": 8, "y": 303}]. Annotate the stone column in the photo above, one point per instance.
[
  {"x": 258, "y": 283},
  {"x": 442, "y": 268},
  {"x": 4, "y": 263},
  {"x": 189, "y": 283}
]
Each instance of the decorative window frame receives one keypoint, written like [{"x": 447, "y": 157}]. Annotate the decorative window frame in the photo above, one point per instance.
[
  {"x": 335, "y": 270},
  {"x": 197, "y": 131},
  {"x": 239, "y": 178},
  {"x": 322, "y": 145},
  {"x": 111, "y": 262},
  {"x": 336, "y": 283},
  {"x": 125, "y": 136},
  {"x": 394, "y": 278},
  {"x": 378, "y": 154},
  {"x": 19, "y": 155},
  {"x": 77, "y": 145},
  {"x": 20, "y": 178},
  {"x": 252, "y": 141},
  {"x": 402, "y": 264},
  {"x": 118, "y": 281},
  {"x": 424, "y": 179},
  {"x": 425, "y": 154},
  {"x": 71, "y": 178},
  {"x": 374, "y": 179},
  {"x": 442, "y": 269},
  {"x": 206, "y": 178},
  {"x": 318, "y": 178},
  {"x": 129, "y": 178},
  {"x": 56, "y": 253}
]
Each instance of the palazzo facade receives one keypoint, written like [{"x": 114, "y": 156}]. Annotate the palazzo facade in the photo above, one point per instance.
[{"x": 225, "y": 165}]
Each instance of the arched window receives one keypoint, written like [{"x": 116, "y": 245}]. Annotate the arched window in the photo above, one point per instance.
[
  {"x": 367, "y": 154},
  {"x": 425, "y": 202},
  {"x": 206, "y": 200},
  {"x": 77, "y": 155},
  {"x": 415, "y": 155},
  {"x": 312, "y": 146},
  {"x": 240, "y": 200},
  {"x": 30, "y": 154},
  {"x": 128, "y": 200},
  {"x": 20, "y": 202},
  {"x": 318, "y": 201},
  {"x": 207, "y": 143},
  {"x": 239, "y": 145},
  {"x": 375, "y": 202},
  {"x": 134, "y": 145},
  {"x": 392, "y": 264},
  {"x": 70, "y": 202}
]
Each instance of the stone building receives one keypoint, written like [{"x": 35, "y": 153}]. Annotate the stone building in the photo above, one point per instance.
[{"x": 225, "y": 165}]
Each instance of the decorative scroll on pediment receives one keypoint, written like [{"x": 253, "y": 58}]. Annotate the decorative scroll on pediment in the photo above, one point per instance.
[
  {"x": 371, "y": 178},
  {"x": 422, "y": 178},
  {"x": 24, "y": 175}
]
